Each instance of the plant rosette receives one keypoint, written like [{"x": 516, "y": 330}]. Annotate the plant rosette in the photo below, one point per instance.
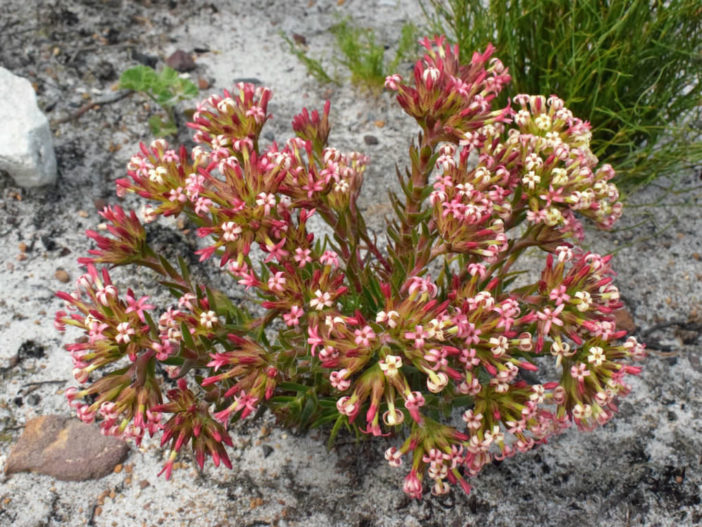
[{"x": 341, "y": 331}]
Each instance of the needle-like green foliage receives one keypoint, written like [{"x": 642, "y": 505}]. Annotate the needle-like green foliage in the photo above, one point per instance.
[
  {"x": 631, "y": 68},
  {"x": 361, "y": 54}
]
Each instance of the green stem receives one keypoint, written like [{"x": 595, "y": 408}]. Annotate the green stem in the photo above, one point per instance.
[{"x": 421, "y": 170}]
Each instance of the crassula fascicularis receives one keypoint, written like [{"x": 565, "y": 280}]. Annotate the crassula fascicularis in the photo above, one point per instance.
[{"x": 423, "y": 335}]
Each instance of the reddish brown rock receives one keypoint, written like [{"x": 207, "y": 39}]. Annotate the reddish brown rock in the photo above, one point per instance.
[
  {"x": 624, "y": 320},
  {"x": 66, "y": 449},
  {"x": 181, "y": 61}
]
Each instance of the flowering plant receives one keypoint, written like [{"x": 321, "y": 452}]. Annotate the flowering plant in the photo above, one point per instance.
[{"x": 342, "y": 330}]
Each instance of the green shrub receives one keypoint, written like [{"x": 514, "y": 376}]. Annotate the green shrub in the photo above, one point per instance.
[
  {"x": 365, "y": 58},
  {"x": 360, "y": 54},
  {"x": 631, "y": 68},
  {"x": 165, "y": 88},
  {"x": 314, "y": 67}
]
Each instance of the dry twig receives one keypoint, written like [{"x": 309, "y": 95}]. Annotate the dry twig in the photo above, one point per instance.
[{"x": 109, "y": 99}]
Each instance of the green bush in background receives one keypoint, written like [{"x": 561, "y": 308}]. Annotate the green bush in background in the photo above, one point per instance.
[{"x": 630, "y": 67}]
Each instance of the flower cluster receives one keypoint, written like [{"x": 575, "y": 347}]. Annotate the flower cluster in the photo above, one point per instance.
[{"x": 365, "y": 337}]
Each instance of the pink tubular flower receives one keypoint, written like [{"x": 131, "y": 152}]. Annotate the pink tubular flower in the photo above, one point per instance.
[
  {"x": 412, "y": 485},
  {"x": 292, "y": 318},
  {"x": 276, "y": 282},
  {"x": 418, "y": 336},
  {"x": 390, "y": 318},
  {"x": 436, "y": 382},
  {"x": 392, "y": 82},
  {"x": 413, "y": 402},
  {"x": 329, "y": 258},
  {"x": 208, "y": 319},
  {"x": 85, "y": 414},
  {"x": 321, "y": 300},
  {"x": 314, "y": 339},
  {"x": 393, "y": 417},
  {"x": 302, "y": 256},
  {"x": 72, "y": 396},
  {"x": 579, "y": 371},
  {"x": 124, "y": 333},
  {"x": 549, "y": 317},
  {"x": 393, "y": 457},
  {"x": 558, "y": 295},
  {"x": 364, "y": 336},
  {"x": 137, "y": 306},
  {"x": 390, "y": 365},
  {"x": 59, "y": 321},
  {"x": 106, "y": 293},
  {"x": 275, "y": 251},
  {"x": 347, "y": 406},
  {"x": 339, "y": 381}
]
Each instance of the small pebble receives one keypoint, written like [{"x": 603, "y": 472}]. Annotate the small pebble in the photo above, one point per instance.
[
  {"x": 48, "y": 243},
  {"x": 247, "y": 80},
  {"x": 105, "y": 71},
  {"x": 181, "y": 61},
  {"x": 62, "y": 276},
  {"x": 146, "y": 60},
  {"x": 370, "y": 140}
]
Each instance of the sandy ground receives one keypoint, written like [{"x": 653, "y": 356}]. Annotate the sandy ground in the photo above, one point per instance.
[{"x": 643, "y": 468}]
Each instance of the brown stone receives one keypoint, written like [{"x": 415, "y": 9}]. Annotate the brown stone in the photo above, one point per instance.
[
  {"x": 624, "y": 320},
  {"x": 100, "y": 204},
  {"x": 65, "y": 448},
  {"x": 62, "y": 276},
  {"x": 180, "y": 61}
]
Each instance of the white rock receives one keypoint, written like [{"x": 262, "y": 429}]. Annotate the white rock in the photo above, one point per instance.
[{"x": 26, "y": 145}]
